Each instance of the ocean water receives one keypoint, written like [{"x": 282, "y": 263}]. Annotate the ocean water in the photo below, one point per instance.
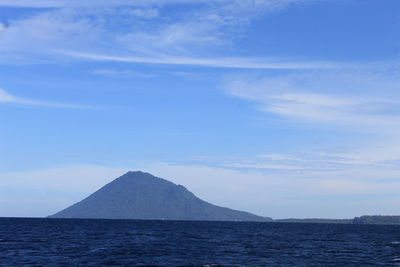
[{"x": 63, "y": 242}]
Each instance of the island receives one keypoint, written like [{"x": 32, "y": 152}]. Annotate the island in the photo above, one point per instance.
[{"x": 140, "y": 195}]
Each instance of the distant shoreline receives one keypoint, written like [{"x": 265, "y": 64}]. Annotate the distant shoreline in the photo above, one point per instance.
[{"x": 366, "y": 219}]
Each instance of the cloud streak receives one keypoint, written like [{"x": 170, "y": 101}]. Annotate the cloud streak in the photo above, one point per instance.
[
  {"x": 89, "y": 3},
  {"x": 233, "y": 63},
  {"x": 7, "y": 98},
  {"x": 366, "y": 101},
  {"x": 361, "y": 105},
  {"x": 102, "y": 3},
  {"x": 151, "y": 35},
  {"x": 122, "y": 73}
]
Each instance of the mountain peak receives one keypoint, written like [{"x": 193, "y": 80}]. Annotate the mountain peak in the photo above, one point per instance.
[
  {"x": 139, "y": 177},
  {"x": 137, "y": 174},
  {"x": 140, "y": 195}
]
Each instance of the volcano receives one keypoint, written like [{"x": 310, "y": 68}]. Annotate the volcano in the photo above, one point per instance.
[{"x": 140, "y": 195}]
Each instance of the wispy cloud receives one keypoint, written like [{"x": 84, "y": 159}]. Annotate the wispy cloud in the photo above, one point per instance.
[
  {"x": 150, "y": 35},
  {"x": 366, "y": 161},
  {"x": 6, "y": 97},
  {"x": 235, "y": 63},
  {"x": 362, "y": 105},
  {"x": 381, "y": 159},
  {"x": 121, "y": 73},
  {"x": 3, "y": 26},
  {"x": 84, "y": 3},
  {"x": 367, "y": 101},
  {"x": 90, "y": 3}
]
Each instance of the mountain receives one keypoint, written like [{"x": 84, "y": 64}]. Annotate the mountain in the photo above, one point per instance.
[{"x": 139, "y": 195}]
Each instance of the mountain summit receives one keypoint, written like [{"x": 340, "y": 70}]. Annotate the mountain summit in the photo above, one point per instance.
[{"x": 140, "y": 195}]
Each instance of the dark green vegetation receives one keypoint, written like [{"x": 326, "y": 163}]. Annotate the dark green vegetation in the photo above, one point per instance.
[
  {"x": 316, "y": 220},
  {"x": 139, "y": 195},
  {"x": 377, "y": 219}
]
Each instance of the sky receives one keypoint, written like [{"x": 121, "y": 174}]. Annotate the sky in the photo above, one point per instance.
[{"x": 283, "y": 108}]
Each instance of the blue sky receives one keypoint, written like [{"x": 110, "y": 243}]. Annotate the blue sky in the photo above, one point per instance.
[{"x": 282, "y": 108}]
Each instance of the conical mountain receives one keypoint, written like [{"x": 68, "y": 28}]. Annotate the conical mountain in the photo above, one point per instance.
[{"x": 139, "y": 195}]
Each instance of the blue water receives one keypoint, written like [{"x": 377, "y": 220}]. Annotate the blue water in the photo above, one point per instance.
[{"x": 61, "y": 242}]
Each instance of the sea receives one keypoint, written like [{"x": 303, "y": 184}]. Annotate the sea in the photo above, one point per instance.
[{"x": 81, "y": 242}]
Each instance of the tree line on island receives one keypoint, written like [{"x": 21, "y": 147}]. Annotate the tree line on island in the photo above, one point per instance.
[{"x": 366, "y": 219}]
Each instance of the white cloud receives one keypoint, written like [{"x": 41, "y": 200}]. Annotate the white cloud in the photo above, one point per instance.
[
  {"x": 366, "y": 101},
  {"x": 84, "y": 3},
  {"x": 121, "y": 73},
  {"x": 148, "y": 35},
  {"x": 239, "y": 63},
  {"x": 30, "y": 39},
  {"x": 377, "y": 161},
  {"x": 91, "y": 3},
  {"x": 6, "y": 97},
  {"x": 145, "y": 13},
  {"x": 3, "y": 26},
  {"x": 266, "y": 166}
]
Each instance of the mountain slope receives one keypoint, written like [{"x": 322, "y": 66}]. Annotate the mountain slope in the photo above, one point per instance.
[{"x": 139, "y": 195}]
